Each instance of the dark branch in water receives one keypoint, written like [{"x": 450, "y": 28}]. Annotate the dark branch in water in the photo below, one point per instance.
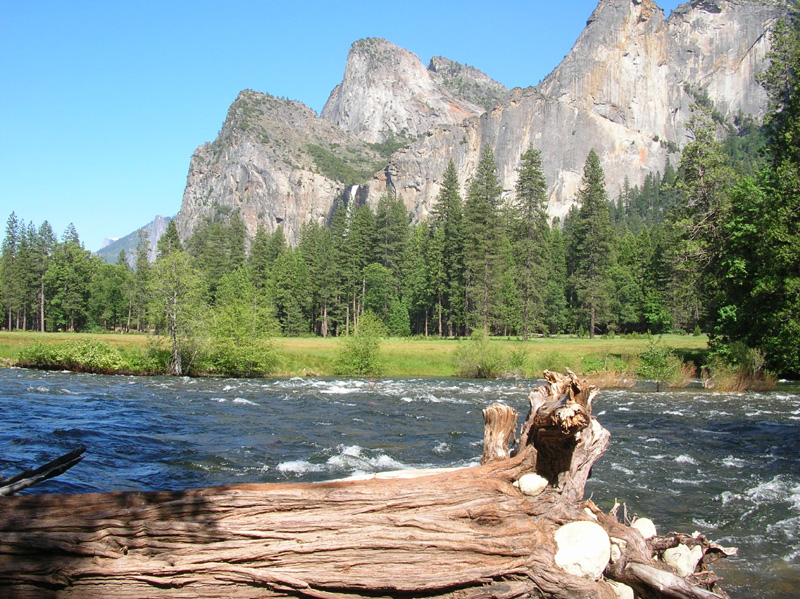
[{"x": 51, "y": 469}]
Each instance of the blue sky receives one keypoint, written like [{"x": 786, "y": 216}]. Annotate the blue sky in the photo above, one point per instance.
[{"x": 103, "y": 103}]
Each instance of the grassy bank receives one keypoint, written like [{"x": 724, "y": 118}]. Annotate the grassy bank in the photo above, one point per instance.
[{"x": 416, "y": 357}]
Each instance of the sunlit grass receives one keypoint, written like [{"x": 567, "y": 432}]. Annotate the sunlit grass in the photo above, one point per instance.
[
  {"x": 12, "y": 342},
  {"x": 415, "y": 357}
]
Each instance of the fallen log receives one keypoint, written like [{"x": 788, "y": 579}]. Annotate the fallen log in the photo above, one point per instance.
[{"x": 516, "y": 526}]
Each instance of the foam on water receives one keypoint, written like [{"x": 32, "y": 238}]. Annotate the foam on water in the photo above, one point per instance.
[
  {"x": 355, "y": 459},
  {"x": 441, "y": 448},
  {"x": 242, "y": 400},
  {"x": 299, "y": 467},
  {"x": 732, "y": 462},
  {"x": 622, "y": 469}
]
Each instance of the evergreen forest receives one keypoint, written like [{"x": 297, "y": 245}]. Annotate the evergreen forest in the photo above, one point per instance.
[{"x": 712, "y": 244}]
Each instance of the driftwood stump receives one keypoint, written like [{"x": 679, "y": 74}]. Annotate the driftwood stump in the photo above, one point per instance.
[{"x": 469, "y": 533}]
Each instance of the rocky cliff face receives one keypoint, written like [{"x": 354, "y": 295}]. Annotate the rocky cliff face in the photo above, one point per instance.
[
  {"x": 275, "y": 162},
  {"x": 387, "y": 90},
  {"x": 625, "y": 89}
]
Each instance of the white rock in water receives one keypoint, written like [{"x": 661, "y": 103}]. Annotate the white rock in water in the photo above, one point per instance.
[
  {"x": 623, "y": 591},
  {"x": 683, "y": 559},
  {"x": 645, "y": 526},
  {"x": 583, "y": 549},
  {"x": 532, "y": 484}
]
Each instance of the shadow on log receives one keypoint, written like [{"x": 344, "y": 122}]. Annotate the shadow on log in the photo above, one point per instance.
[{"x": 513, "y": 527}]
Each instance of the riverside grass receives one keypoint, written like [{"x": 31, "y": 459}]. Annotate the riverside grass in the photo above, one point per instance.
[{"x": 410, "y": 357}]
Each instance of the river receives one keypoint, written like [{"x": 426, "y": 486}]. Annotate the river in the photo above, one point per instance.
[{"x": 727, "y": 465}]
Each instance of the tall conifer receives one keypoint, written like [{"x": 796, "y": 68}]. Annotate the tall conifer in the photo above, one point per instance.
[
  {"x": 591, "y": 243},
  {"x": 530, "y": 239},
  {"x": 447, "y": 245},
  {"x": 482, "y": 241}
]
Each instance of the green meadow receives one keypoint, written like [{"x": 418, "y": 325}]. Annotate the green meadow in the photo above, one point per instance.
[{"x": 405, "y": 357}]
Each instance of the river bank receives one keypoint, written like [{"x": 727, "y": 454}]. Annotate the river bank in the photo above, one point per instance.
[{"x": 401, "y": 357}]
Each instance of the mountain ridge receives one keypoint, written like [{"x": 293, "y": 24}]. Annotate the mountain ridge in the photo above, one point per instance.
[{"x": 625, "y": 89}]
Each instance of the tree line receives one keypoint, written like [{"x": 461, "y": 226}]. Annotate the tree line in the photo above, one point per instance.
[{"x": 710, "y": 246}]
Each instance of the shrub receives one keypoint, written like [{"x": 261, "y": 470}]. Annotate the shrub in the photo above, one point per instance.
[
  {"x": 592, "y": 364},
  {"x": 80, "y": 356},
  {"x": 554, "y": 361},
  {"x": 517, "y": 362},
  {"x": 360, "y": 353},
  {"x": 38, "y": 355},
  {"x": 659, "y": 363},
  {"x": 736, "y": 367},
  {"x": 479, "y": 358},
  {"x": 229, "y": 358}
]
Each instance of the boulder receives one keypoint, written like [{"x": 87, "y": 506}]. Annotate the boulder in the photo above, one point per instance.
[
  {"x": 645, "y": 526},
  {"x": 532, "y": 484},
  {"x": 584, "y": 549}
]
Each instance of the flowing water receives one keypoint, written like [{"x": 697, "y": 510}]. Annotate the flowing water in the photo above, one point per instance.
[{"x": 727, "y": 465}]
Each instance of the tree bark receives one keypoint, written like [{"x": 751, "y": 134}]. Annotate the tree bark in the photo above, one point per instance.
[{"x": 466, "y": 533}]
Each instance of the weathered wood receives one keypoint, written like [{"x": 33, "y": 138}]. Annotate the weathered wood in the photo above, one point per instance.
[
  {"x": 499, "y": 427},
  {"x": 466, "y": 534}
]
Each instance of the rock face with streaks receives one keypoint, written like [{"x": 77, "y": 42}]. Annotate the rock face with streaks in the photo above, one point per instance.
[
  {"x": 275, "y": 162},
  {"x": 387, "y": 91},
  {"x": 625, "y": 89}
]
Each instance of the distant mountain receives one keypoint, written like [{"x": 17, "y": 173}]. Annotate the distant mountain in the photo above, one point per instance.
[{"x": 112, "y": 247}]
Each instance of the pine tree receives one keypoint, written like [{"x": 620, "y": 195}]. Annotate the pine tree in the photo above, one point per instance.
[
  {"x": 626, "y": 275},
  {"x": 530, "y": 238},
  {"x": 706, "y": 182},
  {"x": 292, "y": 292},
  {"x": 418, "y": 283},
  {"x": 107, "y": 303},
  {"x": 391, "y": 232},
  {"x": 447, "y": 254},
  {"x": 341, "y": 268},
  {"x": 218, "y": 249},
  {"x": 276, "y": 246},
  {"x": 28, "y": 279},
  {"x": 237, "y": 242},
  {"x": 360, "y": 249},
  {"x": 316, "y": 248},
  {"x": 45, "y": 246},
  {"x": 170, "y": 241},
  {"x": 258, "y": 261},
  {"x": 67, "y": 280},
  {"x": 10, "y": 270},
  {"x": 482, "y": 241},
  {"x": 140, "y": 298},
  {"x": 591, "y": 244},
  {"x": 555, "y": 316}
]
